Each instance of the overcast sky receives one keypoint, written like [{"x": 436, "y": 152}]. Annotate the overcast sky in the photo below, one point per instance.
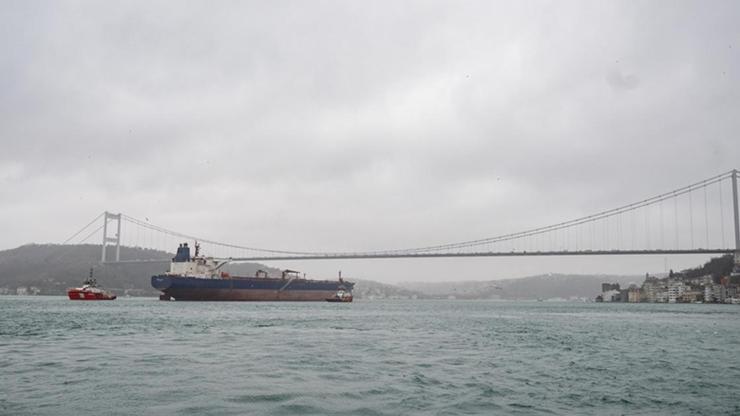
[{"x": 355, "y": 125}]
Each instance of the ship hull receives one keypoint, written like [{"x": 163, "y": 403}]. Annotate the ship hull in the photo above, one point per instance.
[
  {"x": 246, "y": 289},
  {"x": 79, "y": 294}
]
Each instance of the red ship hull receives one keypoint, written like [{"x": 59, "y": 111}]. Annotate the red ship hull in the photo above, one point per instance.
[{"x": 80, "y": 294}]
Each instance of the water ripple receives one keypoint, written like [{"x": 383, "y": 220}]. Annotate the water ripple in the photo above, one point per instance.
[{"x": 141, "y": 356}]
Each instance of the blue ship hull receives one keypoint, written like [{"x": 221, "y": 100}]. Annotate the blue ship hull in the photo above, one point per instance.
[{"x": 247, "y": 288}]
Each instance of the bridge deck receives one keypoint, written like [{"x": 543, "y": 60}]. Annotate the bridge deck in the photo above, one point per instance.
[{"x": 471, "y": 254}]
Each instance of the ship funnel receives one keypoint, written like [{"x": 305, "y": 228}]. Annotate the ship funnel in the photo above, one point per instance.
[{"x": 183, "y": 254}]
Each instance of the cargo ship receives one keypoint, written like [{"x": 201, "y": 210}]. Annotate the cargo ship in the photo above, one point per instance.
[{"x": 200, "y": 278}]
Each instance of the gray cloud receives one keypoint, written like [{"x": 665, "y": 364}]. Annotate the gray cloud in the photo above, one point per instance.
[{"x": 347, "y": 125}]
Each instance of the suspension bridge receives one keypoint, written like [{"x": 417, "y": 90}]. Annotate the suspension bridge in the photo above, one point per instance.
[{"x": 701, "y": 218}]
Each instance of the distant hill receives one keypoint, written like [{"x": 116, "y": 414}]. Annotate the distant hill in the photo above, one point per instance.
[
  {"x": 368, "y": 289},
  {"x": 534, "y": 287},
  {"x": 562, "y": 286},
  {"x": 716, "y": 267},
  {"x": 49, "y": 269}
]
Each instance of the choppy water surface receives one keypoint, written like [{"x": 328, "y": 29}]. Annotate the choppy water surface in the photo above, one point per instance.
[{"x": 143, "y": 356}]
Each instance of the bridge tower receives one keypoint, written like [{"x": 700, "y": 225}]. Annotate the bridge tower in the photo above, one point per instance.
[
  {"x": 117, "y": 239},
  {"x": 737, "y": 220}
]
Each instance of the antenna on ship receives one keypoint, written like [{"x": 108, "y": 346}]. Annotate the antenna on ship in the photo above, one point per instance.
[
  {"x": 197, "y": 249},
  {"x": 90, "y": 280}
]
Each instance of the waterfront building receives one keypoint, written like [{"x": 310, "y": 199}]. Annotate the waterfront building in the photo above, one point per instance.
[
  {"x": 715, "y": 293},
  {"x": 731, "y": 291},
  {"x": 690, "y": 296},
  {"x": 676, "y": 289},
  {"x": 701, "y": 280},
  {"x": 656, "y": 290},
  {"x": 650, "y": 289},
  {"x": 606, "y": 287},
  {"x": 611, "y": 296}
]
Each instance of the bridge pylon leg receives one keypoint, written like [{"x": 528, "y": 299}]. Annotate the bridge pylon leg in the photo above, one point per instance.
[
  {"x": 117, "y": 239},
  {"x": 736, "y": 212}
]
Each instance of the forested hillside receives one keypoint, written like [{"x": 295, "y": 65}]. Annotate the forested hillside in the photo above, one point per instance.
[{"x": 48, "y": 269}]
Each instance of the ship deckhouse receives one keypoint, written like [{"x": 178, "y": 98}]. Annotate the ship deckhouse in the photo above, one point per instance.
[{"x": 196, "y": 266}]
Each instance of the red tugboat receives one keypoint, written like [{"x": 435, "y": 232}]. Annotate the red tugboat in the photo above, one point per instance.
[{"x": 89, "y": 291}]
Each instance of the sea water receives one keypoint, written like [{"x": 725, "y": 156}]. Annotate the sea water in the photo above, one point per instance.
[{"x": 147, "y": 357}]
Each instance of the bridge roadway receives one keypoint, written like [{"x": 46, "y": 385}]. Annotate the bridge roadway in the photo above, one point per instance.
[{"x": 337, "y": 256}]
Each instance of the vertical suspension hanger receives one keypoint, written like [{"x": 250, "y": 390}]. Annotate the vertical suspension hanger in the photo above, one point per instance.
[
  {"x": 647, "y": 229},
  {"x": 632, "y": 231},
  {"x": 662, "y": 239},
  {"x": 691, "y": 222},
  {"x": 675, "y": 220},
  {"x": 706, "y": 219},
  {"x": 722, "y": 215}
]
